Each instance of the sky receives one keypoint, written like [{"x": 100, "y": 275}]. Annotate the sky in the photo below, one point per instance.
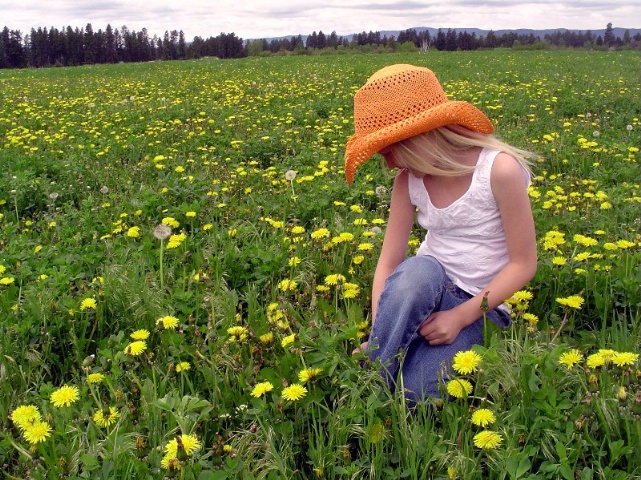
[{"x": 274, "y": 18}]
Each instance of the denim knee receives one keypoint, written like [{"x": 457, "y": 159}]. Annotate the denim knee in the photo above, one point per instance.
[{"x": 416, "y": 275}]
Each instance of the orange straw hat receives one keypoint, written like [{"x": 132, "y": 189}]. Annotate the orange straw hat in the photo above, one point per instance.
[{"x": 399, "y": 102}]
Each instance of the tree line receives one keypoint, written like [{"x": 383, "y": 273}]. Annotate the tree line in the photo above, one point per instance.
[{"x": 44, "y": 47}]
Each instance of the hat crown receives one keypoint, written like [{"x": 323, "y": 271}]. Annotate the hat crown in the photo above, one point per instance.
[{"x": 394, "y": 94}]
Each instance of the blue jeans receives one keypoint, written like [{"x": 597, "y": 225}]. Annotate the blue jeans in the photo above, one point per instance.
[{"x": 418, "y": 287}]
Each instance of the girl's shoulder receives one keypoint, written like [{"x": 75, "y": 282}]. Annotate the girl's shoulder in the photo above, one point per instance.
[{"x": 506, "y": 169}]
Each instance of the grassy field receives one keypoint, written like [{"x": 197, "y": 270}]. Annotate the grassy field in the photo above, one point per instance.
[{"x": 184, "y": 273}]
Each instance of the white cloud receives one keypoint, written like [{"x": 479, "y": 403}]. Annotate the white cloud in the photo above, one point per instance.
[{"x": 255, "y": 19}]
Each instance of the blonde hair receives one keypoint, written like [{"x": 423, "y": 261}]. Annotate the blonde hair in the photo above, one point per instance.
[{"x": 434, "y": 152}]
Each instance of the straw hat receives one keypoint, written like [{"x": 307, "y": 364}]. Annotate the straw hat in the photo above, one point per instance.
[{"x": 399, "y": 102}]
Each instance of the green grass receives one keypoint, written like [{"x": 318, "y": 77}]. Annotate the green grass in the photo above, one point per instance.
[{"x": 90, "y": 152}]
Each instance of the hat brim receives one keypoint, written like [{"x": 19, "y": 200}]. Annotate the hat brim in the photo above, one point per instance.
[{"x": 361, "y": 147}]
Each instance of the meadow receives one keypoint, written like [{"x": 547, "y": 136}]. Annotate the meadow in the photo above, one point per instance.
[{"x": 184, "y": 274}]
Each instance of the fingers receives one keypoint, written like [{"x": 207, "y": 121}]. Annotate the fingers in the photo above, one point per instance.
[{"x": 360, "y": 350}]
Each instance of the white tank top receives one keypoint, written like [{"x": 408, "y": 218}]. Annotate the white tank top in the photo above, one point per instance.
[{"x": 467, "y": 236}]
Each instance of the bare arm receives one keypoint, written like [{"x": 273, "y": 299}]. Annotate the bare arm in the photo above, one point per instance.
[
  {"x": 397, "y": 233},
  {"x": 516, "y": 215}
]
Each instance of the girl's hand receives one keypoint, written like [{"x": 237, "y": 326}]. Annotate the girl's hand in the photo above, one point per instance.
[
  {"x": 441, "y": 328},
  {"x": 360, "y": 350}
]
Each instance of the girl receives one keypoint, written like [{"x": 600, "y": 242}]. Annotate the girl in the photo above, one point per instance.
[{"x": 469, "y": 191}]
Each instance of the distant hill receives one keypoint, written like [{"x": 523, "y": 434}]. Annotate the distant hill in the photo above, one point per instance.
[{"x": 618, "y": 32}]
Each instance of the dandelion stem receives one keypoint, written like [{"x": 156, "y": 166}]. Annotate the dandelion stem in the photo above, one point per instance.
[
  {"x": 162, "y": 277},
  {"x": 558, "y": 331},
  {"x": 15, "y": 204}
]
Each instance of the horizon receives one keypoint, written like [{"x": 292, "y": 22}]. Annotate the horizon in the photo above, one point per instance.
[{"x": 286, "y": 18}]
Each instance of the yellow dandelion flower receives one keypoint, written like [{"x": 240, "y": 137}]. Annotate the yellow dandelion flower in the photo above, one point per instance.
[
  {"x": 133, "y": 232},
  {"x": 582, "y": 257},
  {"x": 171, "y": 463},
  {"x": 294, "y": 261},
  {"x": 189, "y": 443},
  {"x": 176, "y": 240},
  {"x": 297, "y": 230},
  {"x": 365, "y": 247},
  {"x": 451, "y": 473},
  {"x": 459, "y": 388},
  {"x": 141, "y": 334},
  {"x": 351, "y": 292},
  {"x": 585, "y": 241},
  {"x": 287, "y": 285},
  {"x": 466, "y": 362},
  {"x": 7, "y": 280},
  {"x": 37, "y": 432},
  {"x": 95, "y": 378},
  {"x": 532, "y": 321},
  {"x": 88, "y": 304},
  {"x": 622, "y": 359},
  {"x": 334, "y": 279},
  {"x": 624, "y": 244},
  {"x": 183, "y": 367},
  {"x": 358, "y": 259},
  {"x": 294, "y": 392},
  {"x": 289, "y": 339},
  {"x": 559, "y": 261},
  {"x": 168, "y": 322},
  {"x": 136, "y": 348},
  {"x": 261, "y": 389},
  {"x": 170, "y": 222},
  {"x": 320, "y": 234},
  {"x": 25, "y": 415},
  {"x": 190, "y": 214},
  {"x": 106, "y": 417},
  {"x": 483, "y": 417},
  {"x": 65, "y": 396},
  {"x": 607, "y": 354},
  {"x": 309, "y": 374},
  {"x": 266, "y": 338},
  {"x": 573, "y": 301},
  {"x": 595, "y": 360},
  {"x": 523, "y": 296},
  {"x": 237, "y": 331},
  {"x": 487, "y": 440},
  {"x": 570, "y": 358}
]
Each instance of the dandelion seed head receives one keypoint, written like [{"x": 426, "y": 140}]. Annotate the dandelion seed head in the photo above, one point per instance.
[{"x": 162, "y": 231}]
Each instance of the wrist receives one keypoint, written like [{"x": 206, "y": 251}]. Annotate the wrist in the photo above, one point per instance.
[{"x": 468, "y": 312}]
